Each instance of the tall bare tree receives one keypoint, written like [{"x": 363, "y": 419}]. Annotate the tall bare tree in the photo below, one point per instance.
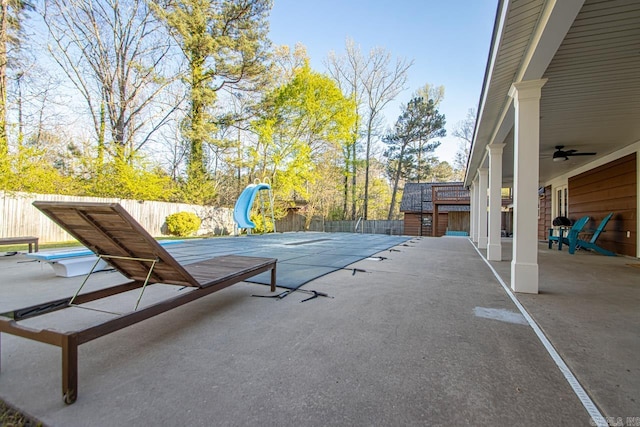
[
  {"x": 463, "y": 130},
  {"x": 114, "y": 53},
  {"x": 347, "y": 71},
  {"x": 373, "y": 81}
]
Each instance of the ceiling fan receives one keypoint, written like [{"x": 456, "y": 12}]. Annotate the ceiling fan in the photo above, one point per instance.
[{"x": 561, "y": 155}]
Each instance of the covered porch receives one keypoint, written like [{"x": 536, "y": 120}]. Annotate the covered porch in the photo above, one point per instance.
[{"x": 558, "y": 122}]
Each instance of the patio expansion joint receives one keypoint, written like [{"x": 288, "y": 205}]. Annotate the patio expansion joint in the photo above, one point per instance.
[{"x": 577, "y": 388}]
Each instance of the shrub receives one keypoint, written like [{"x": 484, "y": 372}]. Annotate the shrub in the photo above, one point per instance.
[{"x": 183, "y": 223}]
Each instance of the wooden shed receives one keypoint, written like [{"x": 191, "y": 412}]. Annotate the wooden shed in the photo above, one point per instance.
[{"x": 435, "y": 209}]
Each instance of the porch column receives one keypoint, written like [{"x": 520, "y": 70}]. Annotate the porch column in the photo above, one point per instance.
[
  {"x": 494, "y": 248},
  {"x": 472, "y": 212},
  {"x": 526, "y": 144},
  {"x": 483, "y": 185},
  {"x": 475, "y": 210}
]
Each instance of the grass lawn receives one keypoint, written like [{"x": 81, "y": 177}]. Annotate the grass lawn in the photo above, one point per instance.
[
  {"x": 12, "y": 418},
  {"x": 70, "y": 244},
  {"x": 23, "y": 247}
]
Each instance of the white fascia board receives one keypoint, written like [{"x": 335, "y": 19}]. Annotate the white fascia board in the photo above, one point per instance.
[{"x": 498, "y": 33}]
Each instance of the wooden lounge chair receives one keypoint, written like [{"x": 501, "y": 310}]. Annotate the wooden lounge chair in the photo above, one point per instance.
[
  {"x": 109, "y": 231},
  {"x": 591, "y": 243}
]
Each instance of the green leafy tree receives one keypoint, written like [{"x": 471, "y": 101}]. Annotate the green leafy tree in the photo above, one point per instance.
[
  {"x": 379, "y": 191},
  {"x": 29, "y": 170},
  {"x": 433, "y": 170},
  {"x": 134, "y": 179},
  {"x": 303, "y": 124},
  {"x": 412, "y": 139},
  {"x": 225, "y": 45}
]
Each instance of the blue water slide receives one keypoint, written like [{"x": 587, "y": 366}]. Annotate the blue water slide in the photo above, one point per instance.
[{"x": 242, "y": 210}]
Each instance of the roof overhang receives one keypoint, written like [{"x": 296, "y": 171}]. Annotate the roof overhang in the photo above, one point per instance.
[{"x": 588, "y": 51}]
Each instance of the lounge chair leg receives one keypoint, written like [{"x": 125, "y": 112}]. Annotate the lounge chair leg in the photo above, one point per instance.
[
  {"x": 273, "y": 278},
  {"x": 69, "y": 369}
]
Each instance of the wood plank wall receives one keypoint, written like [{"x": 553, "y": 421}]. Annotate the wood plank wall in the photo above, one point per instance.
[
  {"x": 544, "y": 217},
  {"x": 412, "y": 225},
  {"x": 370, "y": 226},
  {"x": 459, "y": 221},
  {"x": 613, "y": 188},
  {"x": 443, "y": 223}
]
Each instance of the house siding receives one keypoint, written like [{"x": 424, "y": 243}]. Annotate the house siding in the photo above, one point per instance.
[
  {"x": 458, "y": 221},
  {"x": 544, "y": 217},
  {"x": 609, "y": 188},
  {"x": 412, "y": 224}
]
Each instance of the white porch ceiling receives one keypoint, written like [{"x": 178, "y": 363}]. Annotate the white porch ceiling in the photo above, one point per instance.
[{"x": 591, "y": 101}]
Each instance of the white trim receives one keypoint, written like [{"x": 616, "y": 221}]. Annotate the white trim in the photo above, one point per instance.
[
  {"x": 555, "y": 201},
  {"x": 494, "y": 244},
  {"x": 526, "y": 171},
  {"x": 472, "y": 212},
  {"x": 483, "y": 217},
  {"x": 492, "y": 61}
]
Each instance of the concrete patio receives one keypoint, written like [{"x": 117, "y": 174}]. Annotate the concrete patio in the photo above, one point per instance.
[{"x": 427, "y": 336}]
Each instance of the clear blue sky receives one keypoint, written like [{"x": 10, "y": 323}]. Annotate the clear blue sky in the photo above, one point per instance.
[{"x": 448, "y": 40}]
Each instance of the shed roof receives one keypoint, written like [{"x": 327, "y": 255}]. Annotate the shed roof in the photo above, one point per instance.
[{"x": 417, "y": 198}]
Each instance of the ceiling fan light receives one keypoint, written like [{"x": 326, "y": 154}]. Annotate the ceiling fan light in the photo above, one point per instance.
[{"x": 560, "y": 158}]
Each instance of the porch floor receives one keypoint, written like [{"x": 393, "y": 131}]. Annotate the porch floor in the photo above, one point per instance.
[
  {"x": 426, "y": 336},
  {"x": 589, "y": 308}
]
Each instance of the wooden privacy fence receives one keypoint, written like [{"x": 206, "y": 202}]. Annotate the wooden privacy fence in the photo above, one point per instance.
[
  {"x": 393, "y": 227},
  {"x": 18, "y": 217}
]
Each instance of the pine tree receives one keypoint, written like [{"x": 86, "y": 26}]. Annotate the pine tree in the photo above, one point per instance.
[
  {"x": 11, "y": 15},
  {"x": 225, "y": 44},
  {"x": 412, "y": 140}
]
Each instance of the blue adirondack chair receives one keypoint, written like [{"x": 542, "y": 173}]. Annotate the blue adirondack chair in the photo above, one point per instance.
[
  {"x": 571, "y": 238},
  {"x": 591, "y": 244}
]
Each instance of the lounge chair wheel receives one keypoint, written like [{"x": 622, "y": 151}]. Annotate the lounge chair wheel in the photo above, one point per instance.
[{"x": 69, "y": 397}]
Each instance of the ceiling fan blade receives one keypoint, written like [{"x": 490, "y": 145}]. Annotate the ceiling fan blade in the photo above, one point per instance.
[{"x": 580, "y": 154}]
